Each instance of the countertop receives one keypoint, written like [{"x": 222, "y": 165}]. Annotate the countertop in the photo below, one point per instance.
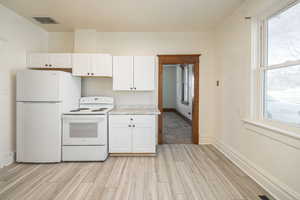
[{"x": 135, "y": 110}]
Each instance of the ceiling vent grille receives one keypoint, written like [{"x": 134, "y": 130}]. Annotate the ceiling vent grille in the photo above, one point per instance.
[{"x": 45, "y": 20}]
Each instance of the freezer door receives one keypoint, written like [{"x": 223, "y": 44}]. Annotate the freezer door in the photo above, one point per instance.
[
  {"x": 38, "y": 85},
  {"x": 38, "y": 132}
]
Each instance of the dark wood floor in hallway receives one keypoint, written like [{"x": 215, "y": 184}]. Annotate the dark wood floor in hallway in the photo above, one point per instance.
[
  {"x": 179, "y": 172},
  {"x": 176, "y": 130}
]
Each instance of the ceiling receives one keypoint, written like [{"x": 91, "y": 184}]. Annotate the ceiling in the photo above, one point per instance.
[{"x": 126, "y": 15}]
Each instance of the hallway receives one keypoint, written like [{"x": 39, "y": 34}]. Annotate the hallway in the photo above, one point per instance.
[{"x": 176, "y": 130}]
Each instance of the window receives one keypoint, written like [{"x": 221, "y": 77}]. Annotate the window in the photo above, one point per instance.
[
  {"x": 281, "y": 66},
  {"x": 184, "y": 84}
]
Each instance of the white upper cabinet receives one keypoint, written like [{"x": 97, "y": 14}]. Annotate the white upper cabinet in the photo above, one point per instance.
[
  {"x": 133, "y": 73},
  {"x": 61, "y": 60},
  {"x": 123, "y": 73},
  {"x": 81, "y": 64},
  {"x": 49, "y": 60},
  {"x": 144, "y": 72},
  {"x": 101, "y": 64},
  {"x": 92, "y": 65},
  {"x": 37, "y": 60}
]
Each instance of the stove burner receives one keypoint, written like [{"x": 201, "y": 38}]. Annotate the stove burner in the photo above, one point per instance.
[
  {"x": 79, "y": 109},
  {"x": 99, "y": 110}
]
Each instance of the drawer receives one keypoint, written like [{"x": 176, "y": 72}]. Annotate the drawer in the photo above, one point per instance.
[
  {"x": 119, "y": 119},
  {"x": 148, "y": 120}
]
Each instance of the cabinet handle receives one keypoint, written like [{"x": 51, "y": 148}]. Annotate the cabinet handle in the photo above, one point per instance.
[
  {"x": 46, "y": 65},
  {"x": 133, "y": 125},
  {"x": 131, "y": 119},
  {"x": 50, "y": 65},
  {"x": 129, "y": 125},
  {"x": 135, "y": 88},
  {"x": 131, "y": 88},
  {"x": 92, "y": 73},
  {"x": 88, "y": 73}
]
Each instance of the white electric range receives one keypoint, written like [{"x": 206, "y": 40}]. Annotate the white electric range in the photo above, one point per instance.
[{"x": 85, "y": 130}]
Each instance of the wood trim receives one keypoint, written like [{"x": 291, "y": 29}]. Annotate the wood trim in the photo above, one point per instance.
[
  {"x": 180, "y": 59},
  {"x": 169, "y": 110},
  {"x": 132, "y": 154},
  {"x": 54, "y": 69}
]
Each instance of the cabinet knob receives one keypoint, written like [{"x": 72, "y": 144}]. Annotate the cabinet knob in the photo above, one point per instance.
[
  {"x": 135, "y": 88},
  {"x": 88, "y": 73},
  {"x": 46, "y": 65},
  {"x": 50, "y": 65},
  {"x": 133, "y": 125},
  {"x": 131, "y": 119},
  {"x": 129, "y": 125},
  {"x": 92, "y": 73}
]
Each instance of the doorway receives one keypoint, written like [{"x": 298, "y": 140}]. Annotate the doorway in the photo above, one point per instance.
[{"x": 179, "y": 121}]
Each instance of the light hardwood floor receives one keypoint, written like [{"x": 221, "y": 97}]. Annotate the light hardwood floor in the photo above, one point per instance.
[{"x": 179, "y": 172}]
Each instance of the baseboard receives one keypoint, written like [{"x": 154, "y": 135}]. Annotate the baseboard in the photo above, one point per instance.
[
  {"x": 205, "y": 140},
  {"x": 7, "y": 159},
  {"x": 271, "y": 184}
]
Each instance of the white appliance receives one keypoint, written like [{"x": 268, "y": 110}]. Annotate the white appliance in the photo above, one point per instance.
[
  {"x": 85, "y": 130},
  {"x": 42, "y": 97}
]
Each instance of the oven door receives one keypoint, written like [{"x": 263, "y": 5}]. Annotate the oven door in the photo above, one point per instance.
[{"x": 84, "y": 130}]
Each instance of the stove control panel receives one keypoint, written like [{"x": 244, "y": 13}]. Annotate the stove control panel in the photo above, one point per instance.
[{"x": 96, "y": 100}]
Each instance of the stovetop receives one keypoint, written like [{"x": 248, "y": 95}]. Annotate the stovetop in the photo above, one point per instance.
[{"x": 88, "y": 111}]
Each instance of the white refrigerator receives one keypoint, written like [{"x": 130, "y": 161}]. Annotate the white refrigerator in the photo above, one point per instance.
[{"x": 42, "y": 97}]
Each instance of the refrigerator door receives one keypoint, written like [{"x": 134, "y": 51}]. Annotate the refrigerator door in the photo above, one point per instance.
[
  {"x": 38, "y": 132},
  {"x": 38, "y": 85}
]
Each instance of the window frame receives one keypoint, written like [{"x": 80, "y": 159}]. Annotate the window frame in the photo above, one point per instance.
[
  {"x": 261, "y": 62},
  {"x": 185, "y": 84}
]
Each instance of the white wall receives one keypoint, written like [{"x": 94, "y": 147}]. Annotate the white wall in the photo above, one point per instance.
[
  {"x": 18, "y": 36},
  {"x": 270, "y": 160},
  {"x": 169, "y": 86},
  {"x": 153, "y": 43}
]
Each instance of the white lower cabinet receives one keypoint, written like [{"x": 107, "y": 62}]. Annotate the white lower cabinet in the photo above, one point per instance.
[{"x": 132, "y": 134}]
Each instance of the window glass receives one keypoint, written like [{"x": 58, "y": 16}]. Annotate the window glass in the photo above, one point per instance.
[
  {"x": 282, "y": 94},
  {"x": 185, "y": 84},
  {"x": 284, "y": 36}
]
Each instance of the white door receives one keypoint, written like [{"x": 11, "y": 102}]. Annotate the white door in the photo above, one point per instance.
[
  {"x": 37, "y": 60},
  {"x": 38, "y": 132},
  {"x": 120, "y": 134},
  {"x": 84, "y": 130},
  {"x": 61, "y": 60},
  {"x": 101, "y": 65},
  {"x": 123, "y": 73},
  {"x": 144, "y": 69},
  {"x": 81, "y": 65},
  {"x": 38, "y": 85},
  {"x": 143, "y": 134}
]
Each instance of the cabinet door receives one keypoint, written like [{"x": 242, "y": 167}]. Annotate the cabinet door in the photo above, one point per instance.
[
  {"x": 62, "y": 60},
  {"x": 81, "y": 64},
  {"x": 120, "y": 134},
  {"x": 123, "y": 73},
  {"x": 143, "y": 134},
  {"x": 37, "y": 60},
  {"x": 144, "y": 67},
  {"x": 101, "y": 65}
]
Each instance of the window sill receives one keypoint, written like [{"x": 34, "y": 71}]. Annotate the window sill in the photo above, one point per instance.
[{"x": 288, "y": 137}]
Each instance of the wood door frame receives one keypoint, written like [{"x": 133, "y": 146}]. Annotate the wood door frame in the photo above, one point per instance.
[{"x": 180, "y": 59}]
